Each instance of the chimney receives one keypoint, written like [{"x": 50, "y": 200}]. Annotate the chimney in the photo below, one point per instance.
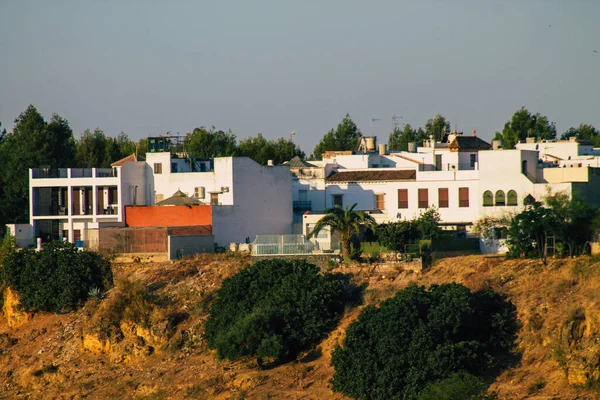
[
  {"x": 474, "y": 132},
  {"x": 382, "y": 149},
  {"x": 270, "y": 163}
]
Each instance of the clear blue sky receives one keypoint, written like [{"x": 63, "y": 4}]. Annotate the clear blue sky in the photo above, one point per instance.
[{"x": 148, "y": 67}]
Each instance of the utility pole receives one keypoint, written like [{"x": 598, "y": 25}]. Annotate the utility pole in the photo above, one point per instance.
[{"x": 292, "y": 134}]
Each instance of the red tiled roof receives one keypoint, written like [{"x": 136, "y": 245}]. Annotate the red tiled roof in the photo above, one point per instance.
[
  {"x": 129, "y": 158},
  {"x": 469, "y": 143},
  {"x": 373, "y": 176}
]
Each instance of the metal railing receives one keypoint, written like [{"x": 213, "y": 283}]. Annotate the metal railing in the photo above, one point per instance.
[
  {"x": 281, "y": 244},
  {"x": 302, "y": 205}
]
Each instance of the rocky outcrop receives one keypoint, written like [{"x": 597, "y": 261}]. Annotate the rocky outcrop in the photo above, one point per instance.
[{"x": 15, "y": 317}]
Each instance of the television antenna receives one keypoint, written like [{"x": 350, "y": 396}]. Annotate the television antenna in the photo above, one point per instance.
[
  {"x": 373, "y": 125},
  {"x": 396, "y": 121}
]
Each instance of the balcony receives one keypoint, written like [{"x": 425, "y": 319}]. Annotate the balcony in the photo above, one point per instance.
[
  {"x": 302, "y": 206},
  {"x": 55, "y": 173}
]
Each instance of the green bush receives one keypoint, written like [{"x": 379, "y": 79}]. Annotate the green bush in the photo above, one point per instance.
[
  {"x": 57, "y": 277},
  {"x": 274, "y": 309},
  {"x": 419, "y": 337},
  {"x": 459, "y": 386},
  {"x": 395, "y": 235}
]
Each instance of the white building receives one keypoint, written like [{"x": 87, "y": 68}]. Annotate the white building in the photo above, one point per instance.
[
  {"x": 246, "y": 198},
  {"x": 463, "y": 178}
]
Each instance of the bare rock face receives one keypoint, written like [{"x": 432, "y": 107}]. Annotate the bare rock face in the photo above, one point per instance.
[{"x": 14, "y": 316}]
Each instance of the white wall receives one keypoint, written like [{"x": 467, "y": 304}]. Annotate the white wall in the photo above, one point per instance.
[
  {"x": 133, "y": 180},
  {"x": 262, "y": 203},
  {"x": 23, "y": 234},
  {"x": 364, "y": 195},
  {"x": 168, "y": 183},
  {"x": 188, "y": 245}
]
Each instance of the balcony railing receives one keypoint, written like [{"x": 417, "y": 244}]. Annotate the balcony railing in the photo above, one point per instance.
[
  {"x": 45, "y": 173},
  {"x": 301, "y": 206}
]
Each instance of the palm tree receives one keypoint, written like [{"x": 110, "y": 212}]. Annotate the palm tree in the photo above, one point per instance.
[{"x": 345, "y": 221}]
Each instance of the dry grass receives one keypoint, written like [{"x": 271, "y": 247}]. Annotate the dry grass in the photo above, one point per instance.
[{"x": 558, "y": 341}]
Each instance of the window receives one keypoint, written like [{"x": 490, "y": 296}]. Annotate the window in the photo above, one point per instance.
[
  {"x": 443, "y": 197},
  {"x": 473, "y": 160},
  {"x": 488, "y": 199},
  {"x": 463, "y": 197},
  {"x": 423, "y": 198},
  {"x": 173, "y": 167},
  {"x": 338, "y": 200},
  {"x": 500, "y": 200},
  {"x": 323, "y": 233},
  {"x": 157, "y": 168},
  {"x": 302, "y": 195},
  {"x": 511, "y": 198},
  {"x": 214, "y": 199},
  {"x": 402, "y": 198},
  {"x": 380, "y": 202}
]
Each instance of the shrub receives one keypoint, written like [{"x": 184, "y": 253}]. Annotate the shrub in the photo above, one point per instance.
[
  {"x": 419, "y": 337},
  {"x": 396, "y": 235},
  {"x": 458, "y": 386},
  {"x": 274, "y": 309},
  {"x": 55, "y": 278}
]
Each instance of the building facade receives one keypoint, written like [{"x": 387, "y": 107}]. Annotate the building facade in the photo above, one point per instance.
[{"x": 245, "y": 198}]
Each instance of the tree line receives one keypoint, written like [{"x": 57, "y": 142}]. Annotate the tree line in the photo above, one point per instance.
[
  {"x": 35, "y": 142},
  {"x": 522, "y": 125}
]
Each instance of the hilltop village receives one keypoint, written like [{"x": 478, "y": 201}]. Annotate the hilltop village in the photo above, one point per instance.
[{"x": 170, "y": 202}]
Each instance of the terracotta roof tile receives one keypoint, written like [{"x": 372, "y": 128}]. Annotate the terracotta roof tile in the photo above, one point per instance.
[
  {"x": 296, "y": 162},
  {"x": 129, "y": 158},
  {"x": 469, "y": 143},
  {"x": 179, "y": 199},
  {"x": 373, "y": 176}
]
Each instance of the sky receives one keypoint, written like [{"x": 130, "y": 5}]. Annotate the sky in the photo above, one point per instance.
[{"x": 275, "y": 67}]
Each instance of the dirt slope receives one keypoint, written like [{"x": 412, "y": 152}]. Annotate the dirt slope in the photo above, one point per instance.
[{"x": 148, "y": 343}]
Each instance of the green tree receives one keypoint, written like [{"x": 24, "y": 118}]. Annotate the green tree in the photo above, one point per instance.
[
  {"x": 459, "y": 386},
  {"x": 523, "y": 124},
  {"x": 92, "y": 149},
  {"x": 257, "y": 148},
  {"x": 395, "y": 235},
  {"x": 346, "y": 222},
  {"x": 585, "y": 132},
  {"x": 96, "y": 150},
  {"x": 344, "y": 137},
  {"x": 262, "y": 150},
  {"x": 142, "y": 147},
  {"x": 275, "y": 309},
  {"x": 437, "y": 127},
  {"x": 56, "y": 278},
  {"x": 205, "y": 143},
  {"x": 399, "y": 139},
  {"x": 32, "y": 143},
  {"x": 285, "y": 150},
  {"x": 568, "y": 224},
  {"x": 428, "y": 223},
  {"x": 422, "y": 336}
]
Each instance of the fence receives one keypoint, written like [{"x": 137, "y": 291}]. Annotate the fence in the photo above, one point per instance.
[
  {"x": 129, "y": 240},
  {"x": 281, "y": 244}
]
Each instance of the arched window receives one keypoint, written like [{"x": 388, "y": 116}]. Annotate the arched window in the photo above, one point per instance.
[
  {"x": 488, "y": 199},
  {"x": 511, "y": 198},
  {"x": 500, "y": 199}
]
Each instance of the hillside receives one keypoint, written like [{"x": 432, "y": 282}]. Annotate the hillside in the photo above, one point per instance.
[{"x": 144, "y": 340}]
